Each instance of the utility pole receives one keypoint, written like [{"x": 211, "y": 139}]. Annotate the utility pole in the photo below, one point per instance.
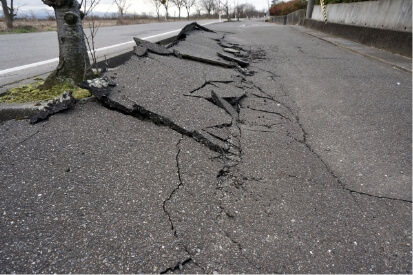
[{"x": 310, "y": 7}]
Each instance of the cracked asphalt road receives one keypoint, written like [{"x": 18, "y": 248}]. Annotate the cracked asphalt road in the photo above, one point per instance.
[{"x": 299, "y": 163}]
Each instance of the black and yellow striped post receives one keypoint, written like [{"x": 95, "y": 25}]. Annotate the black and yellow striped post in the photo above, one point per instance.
[{"x": 323, "y": 10}]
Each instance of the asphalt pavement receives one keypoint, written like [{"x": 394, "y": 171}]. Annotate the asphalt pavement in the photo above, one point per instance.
[
  {"x": 185, "y": 162},
  {"x": 30, "y": 55}
]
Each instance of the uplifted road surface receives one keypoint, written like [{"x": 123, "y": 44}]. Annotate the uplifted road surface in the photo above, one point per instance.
[{"x": 187, "y": 162}]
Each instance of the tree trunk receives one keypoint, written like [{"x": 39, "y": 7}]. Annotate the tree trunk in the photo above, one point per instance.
[
  {"x": 8, "y": 14},
  {"x": 74, "y": 61}
]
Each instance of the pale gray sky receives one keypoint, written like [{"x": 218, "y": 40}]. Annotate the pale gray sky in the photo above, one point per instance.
[{"x": 137, "y": 6}]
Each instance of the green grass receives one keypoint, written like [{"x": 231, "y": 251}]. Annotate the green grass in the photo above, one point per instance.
[
  {"x": 20, "y": 29},
  {"x": 32, "y": 93}
]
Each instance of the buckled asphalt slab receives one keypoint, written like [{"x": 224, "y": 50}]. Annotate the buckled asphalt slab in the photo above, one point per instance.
[
  {"x": 298, "y": 163},
  {"x": 9, "y": 111}
]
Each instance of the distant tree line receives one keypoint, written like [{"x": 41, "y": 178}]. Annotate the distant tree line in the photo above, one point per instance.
[{"x": 191, "y": 8}]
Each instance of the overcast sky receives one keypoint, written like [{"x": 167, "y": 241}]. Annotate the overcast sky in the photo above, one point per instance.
[{"x": 137, "y": 6}]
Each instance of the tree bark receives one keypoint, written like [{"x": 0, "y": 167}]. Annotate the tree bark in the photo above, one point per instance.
[
  {"x": 74, "y": 63},
  {"x": 8, "y": 13}
]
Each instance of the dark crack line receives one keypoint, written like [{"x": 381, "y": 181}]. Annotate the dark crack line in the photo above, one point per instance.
[
  {"x": 202, "y": 86},
  {"x": 270, "y": 112},
  {"x": 139, "y": 110},
  {"x": 294, "y": 138},
  {"x": 268, "y": 96},
  {"x": 179, "y": 266},
  {"x": 265, "y": 97},
  {"x": 211, "y": 82},
  {"x": 193, "y": 259},
  {"x": 377, "y": 196},
  {"x": 25, "y": 139},
  {"x": 273, "y": 75},
  {"x": 217, "y": 137},
  {"x": 330, "y": 170},
  {"x": 178, "y": 167},
  {"x": 240, "y": 249},
  {"x": 260, "y": 131},
  {"x": 220, "y": 126}
]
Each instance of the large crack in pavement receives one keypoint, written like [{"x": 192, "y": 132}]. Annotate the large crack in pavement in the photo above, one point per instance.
[
  {"x": 269, "y": 115},
  {"x": 251, "y": 194},
  {"x": 174, "y": 190},
  {"x": 274, "y": 77}
]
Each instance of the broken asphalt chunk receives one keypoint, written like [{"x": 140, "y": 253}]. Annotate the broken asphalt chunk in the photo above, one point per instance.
[
  {"x": 62, "y": 103},
  {"x": 231, "y": 50},
  {"x": 140, "y": 51},
  {"x": 224, "y": 44},
  {"x": 227, "y": 91},
  {"x": 206, "y": 60},
  {"x": 240, "y": 62},
  {"x": 101, "y": 89},
  {"x": 225, "y": 105},
  {"x": 152, "y": 47},
  {"x": 191, "y": 27},
  {"x": 222, "y": 144}
]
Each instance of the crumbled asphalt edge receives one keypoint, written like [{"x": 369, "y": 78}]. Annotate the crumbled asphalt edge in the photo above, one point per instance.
[
  {"x": 204, "y": 60},
  {"x": 64, "y": 102},
  {"x": 102, "y": 87},
  {"x": 240, "y": 62},
  {"x": 191, "y": 27},
  {"x": 102, "y": 93},
  {"x": 225, "y": 105},
  {"x": 230, "y": 152},
  {"x": 151, "y": 47}
]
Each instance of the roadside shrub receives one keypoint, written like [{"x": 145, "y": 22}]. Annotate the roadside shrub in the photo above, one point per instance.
[
  {"x": 317, "y": 2},
  {"x": 285, "y": 8}
]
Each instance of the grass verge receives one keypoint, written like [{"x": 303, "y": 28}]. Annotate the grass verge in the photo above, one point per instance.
[{"x": 32, "y": 93}]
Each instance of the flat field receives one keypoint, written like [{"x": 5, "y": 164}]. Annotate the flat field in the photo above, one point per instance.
[{"x": 40, "y": 25}]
